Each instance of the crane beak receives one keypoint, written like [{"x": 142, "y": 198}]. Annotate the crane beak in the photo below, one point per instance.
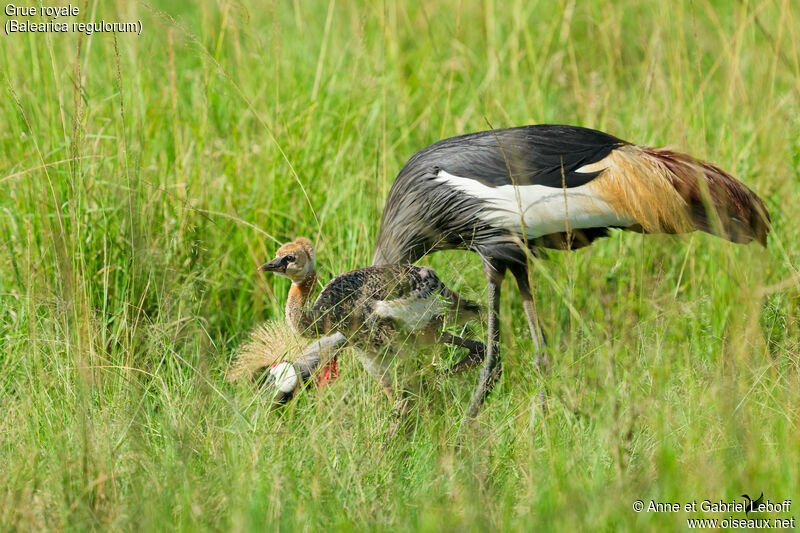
[{"x": 273, "y": 266}]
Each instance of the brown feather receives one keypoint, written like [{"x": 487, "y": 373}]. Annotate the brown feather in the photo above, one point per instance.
[
  {"x": 672, "y": 192},
  {"x": 720, "y": 204}
]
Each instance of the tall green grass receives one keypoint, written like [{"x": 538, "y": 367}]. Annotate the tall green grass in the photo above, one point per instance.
[{"x": 143, "y": 178}]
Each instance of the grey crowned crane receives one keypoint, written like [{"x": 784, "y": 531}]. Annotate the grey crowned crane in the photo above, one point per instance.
[
  {"x": 503, "y": 192},
  {"x": 381, "y": 310}
]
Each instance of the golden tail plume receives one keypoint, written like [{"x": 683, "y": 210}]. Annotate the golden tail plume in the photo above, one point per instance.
[{"x": 672, "y": 192}]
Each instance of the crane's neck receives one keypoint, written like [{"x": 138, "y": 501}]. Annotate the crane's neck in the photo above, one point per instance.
[{"x": 296, "y": 305}]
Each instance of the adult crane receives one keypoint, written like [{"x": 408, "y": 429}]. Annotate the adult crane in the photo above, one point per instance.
[{"x": 502, "y": 193}]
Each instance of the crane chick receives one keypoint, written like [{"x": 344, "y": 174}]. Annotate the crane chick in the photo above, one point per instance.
[{"x": 384, "y": 311}]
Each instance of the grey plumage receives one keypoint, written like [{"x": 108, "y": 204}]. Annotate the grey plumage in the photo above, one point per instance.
[
  {"x": 504, "y": 193},
  {"x": 422, "y": 216}
]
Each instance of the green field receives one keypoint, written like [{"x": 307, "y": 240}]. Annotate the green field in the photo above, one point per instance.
[{"x": 144, "y": 177}]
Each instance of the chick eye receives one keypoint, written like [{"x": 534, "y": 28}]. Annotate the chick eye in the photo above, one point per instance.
[{"x": 290, "y": 258}]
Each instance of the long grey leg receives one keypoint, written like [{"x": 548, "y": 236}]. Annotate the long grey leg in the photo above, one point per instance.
[
  {"x": 540, "y": 360},
  {"x": 378, "y": 367},
  {"x": 402, "y": 404},
  {"x": 491, "y": 365}
]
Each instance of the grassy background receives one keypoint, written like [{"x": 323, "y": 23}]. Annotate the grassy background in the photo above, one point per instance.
[{"x": 144, "y": 177}]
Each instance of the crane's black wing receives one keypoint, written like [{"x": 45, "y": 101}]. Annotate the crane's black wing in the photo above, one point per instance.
[
  {"x": 527, "y": 155},
  {"x": 423, "y": 215}
]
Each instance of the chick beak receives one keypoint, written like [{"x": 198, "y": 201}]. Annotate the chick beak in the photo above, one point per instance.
[{"x": 273, "y": 266}]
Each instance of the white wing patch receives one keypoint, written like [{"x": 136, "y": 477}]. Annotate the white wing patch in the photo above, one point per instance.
[
  {"x": 594, "y": 167},
  {"x": 543, "y": 209},
  {"x": 414, "y": 313}
]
